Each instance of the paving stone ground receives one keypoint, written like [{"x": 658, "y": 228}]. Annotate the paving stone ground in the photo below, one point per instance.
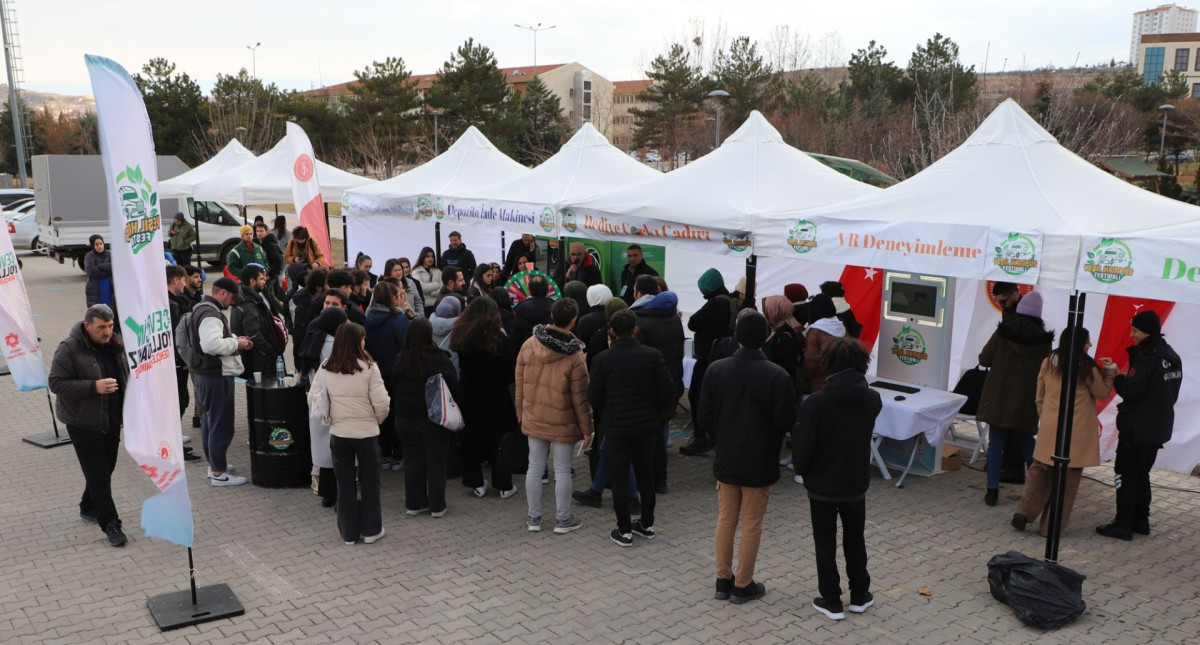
[{"x": 478, "y": 576}]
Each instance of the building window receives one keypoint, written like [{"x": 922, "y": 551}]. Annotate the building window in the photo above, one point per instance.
[
  {"x": 587, "y": 97},
  {"x": 1196, "y": 90},
  {"x": 1181, "y": 59},
  {"x": 587, "y": 85},
  {"x": 1198, "y": 59},
  {"x": 1152, "y": 66},
  {"x": 587, "y": 113}
]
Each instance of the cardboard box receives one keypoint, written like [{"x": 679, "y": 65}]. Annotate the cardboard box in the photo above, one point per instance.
[{"x": 951, "y": 460}]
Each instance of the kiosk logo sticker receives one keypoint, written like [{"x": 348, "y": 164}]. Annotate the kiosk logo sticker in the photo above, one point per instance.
[
  {"x": 139, "y": 205},
  {"x": 431, "y": 207},
  {"x": 909, "y": 346},
  {"x": 739, "y": 243},
  {"x": 569, "y": 221},
  {"x": 803, "y": 236},
  {"x": 280, "y": 438},
  {"x": 1016, "y": 255},
  {"x": 1110, "y": 261}
]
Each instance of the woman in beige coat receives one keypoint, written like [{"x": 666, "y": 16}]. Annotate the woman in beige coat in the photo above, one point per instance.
[
  {"x": 350, "y": 388},
  {"x": 1094, "y": 384}
]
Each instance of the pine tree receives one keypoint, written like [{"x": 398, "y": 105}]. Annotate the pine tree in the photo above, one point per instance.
[
  {"x": 470, "y": 90},
  {"x": 674, "y": 100},
  {"x": 380, "y": 115},
  {"x": 752, "y": 83},
  {"x": 176, "y": 108},
  {"x": 544, "y": 130}
]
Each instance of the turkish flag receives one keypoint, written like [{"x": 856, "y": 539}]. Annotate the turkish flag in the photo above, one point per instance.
[
  {"x": 1114, "y": 331},
  {"x": 864, "y": 293}
]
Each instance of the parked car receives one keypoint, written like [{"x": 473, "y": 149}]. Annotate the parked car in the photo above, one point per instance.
[
  {"x": 9, "y": 196},
  {"x": 23, "y": 228}
]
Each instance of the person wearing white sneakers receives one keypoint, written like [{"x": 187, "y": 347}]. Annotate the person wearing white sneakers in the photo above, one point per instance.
[
  {"x": 221, "y": 361},
  {"x": 349, "y": 390}
]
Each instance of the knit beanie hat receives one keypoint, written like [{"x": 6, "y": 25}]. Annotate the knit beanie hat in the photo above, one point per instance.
[
  {"x": 449, "y": 307},
  {"x": 795, "y": 293},
  {"x": 752, "y": 330},
  {"x": 613, "y": 306},
  {"x": 598, "y": 294},
  {"x": 711, "y": 282},
  {"x": 1146, "y": 322},
  {"x": 245, "y": 229},
  {"x": 1031, "y": 304},
  {"x": 741, "y": 285},
  {"x": 227, "y": 284}
]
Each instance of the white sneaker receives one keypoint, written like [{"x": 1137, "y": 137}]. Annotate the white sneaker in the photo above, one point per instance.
[
  {"x": 229, "y": 468},
  {"x": 187, "y": 439},
  {"x": 398, "y": 465},
  {"x": 505, "y": 494},
  {"x": 786, "y": 461},
  {"x": 482, "y": 490},
  {"x": 416, "y": 511},
  {"x": 441, "y": 513},
  {"x": 372, "y": 539},
  {"x": 798, "y": 479},
  {"x": 228, "y": 480}
]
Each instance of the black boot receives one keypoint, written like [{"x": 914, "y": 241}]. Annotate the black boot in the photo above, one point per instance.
[{"x": 697, "y": 446}]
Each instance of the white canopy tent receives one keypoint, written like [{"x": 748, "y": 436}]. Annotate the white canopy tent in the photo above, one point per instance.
[
  {"x": 1009, "y": 204},
  {"x": 712, "y": 204},
  {"x": 267, "y": 179},
  {"x": 586, "y": 165},
  {"x": 396, "y": 217},
  {"x": 233, "y": 155}
]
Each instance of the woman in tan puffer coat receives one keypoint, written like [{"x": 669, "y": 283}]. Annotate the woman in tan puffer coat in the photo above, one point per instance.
[
  {"x": 553, "y": 408},
  {"x": 1095, "y": 384}
]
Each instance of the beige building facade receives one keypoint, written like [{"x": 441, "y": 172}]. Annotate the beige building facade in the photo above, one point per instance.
[{"x": 1160, "y": 53}]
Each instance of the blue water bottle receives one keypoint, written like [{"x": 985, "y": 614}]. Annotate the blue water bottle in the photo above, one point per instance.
[{"x": 279, "y": 368}]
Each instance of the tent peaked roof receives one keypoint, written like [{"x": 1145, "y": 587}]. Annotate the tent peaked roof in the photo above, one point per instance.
[
  {"x": 233, "y": 155},
  {"x": 267, "y": 179},
  {"x": 1013, "y": 174},
  {"x": 752, "y": 172},
  {"x": 470, "y": 165},
  {"x": 587, "y": 164}
]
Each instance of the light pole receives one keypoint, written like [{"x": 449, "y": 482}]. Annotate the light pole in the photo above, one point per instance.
[
  {"x": 535, "y": 29},
  {"x": 238, "y": 132},
  {"x": 720, "y": 96},
  {"x": 1162, "y": 140},
  {"x": 254, "y": 58}
]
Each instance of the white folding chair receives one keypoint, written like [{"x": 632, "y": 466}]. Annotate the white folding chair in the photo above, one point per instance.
[{"x": 976, "y": 444}]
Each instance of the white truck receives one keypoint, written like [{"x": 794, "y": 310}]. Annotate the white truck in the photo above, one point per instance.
[{"x": 72, "y": 199}]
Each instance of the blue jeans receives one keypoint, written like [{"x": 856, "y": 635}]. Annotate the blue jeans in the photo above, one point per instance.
[
  {"x": 995, "y": 452},
  {"x": 600, "y": 481}
]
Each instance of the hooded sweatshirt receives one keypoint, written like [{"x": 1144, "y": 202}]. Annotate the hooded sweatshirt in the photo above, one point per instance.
[
  {"x": 551, "y": 387},
  {"x": 385, "y": 336},
  {"x": 832, "y": 447},
  {"x": 659, "y": 327}
]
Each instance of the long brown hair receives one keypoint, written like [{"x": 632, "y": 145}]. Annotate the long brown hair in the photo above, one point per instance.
[
  {"x": 479, "y": 328},
  {"x": 385, "y": 294},
  {"x": 348, "y": 350}
]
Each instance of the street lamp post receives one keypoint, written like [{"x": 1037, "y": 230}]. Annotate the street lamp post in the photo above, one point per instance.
[
  {"x": 535, "y": 29},
  {"x": 1162, "y": 140},
  {"x": 254, "y": 58},
  {"x": 720, "y": 96}
]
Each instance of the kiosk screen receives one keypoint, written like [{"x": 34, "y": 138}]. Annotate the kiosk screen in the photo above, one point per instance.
[{"x": 914, "y": 299}]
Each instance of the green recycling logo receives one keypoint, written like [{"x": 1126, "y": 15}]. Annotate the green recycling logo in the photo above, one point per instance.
[
  {"x": 139, "y": 205},
  {"x": 1016, "y": 255},
  {"x": 802, "y": 237},
  {"x": 431, "y": 207},
  {"x": 280, "y": 438},
  {"x": 909, "y": 346},
  {"x": 740, "y": 243},
  {"x": 1109, "y": 261},
  {"x": 546, "y": 219},
  {"x": 570, "y": 221}
]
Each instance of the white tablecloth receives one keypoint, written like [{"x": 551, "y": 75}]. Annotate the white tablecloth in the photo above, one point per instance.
[{"x": 927, "y": 412}]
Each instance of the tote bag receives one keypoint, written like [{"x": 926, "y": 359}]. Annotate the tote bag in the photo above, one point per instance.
[{"x": 440, "y": 405}]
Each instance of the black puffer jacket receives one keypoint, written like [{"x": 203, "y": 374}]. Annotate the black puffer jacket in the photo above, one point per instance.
[
  {"x": 659, "y": 327},
  {"x": 748, "y": 403},
  {"x": 1014, "y": 352},
  {"x": 1146, "y": 413},
  {"x": 408, "y": 394},
  {"x": 529, "y": 313},
  {"x": 73, "y": 376},
  {"x": 832, "y": 448},
  {"x": 711, "y": 323},
  {"x": 589, "y": 322},
  {"x": 630, "y": 390}
]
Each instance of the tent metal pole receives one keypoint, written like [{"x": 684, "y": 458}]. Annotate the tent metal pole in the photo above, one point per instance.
[
  {"x": 751, "y": 277},
  {"x": 1066, "y": 417}
]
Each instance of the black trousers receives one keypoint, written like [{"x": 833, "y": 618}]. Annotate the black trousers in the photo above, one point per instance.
[
  {"x": 854, "y": 546},
  {"x": 181, "y": 380},
  {"x": 97, "y": 454},
  {"x": 693, "y": 396},
  {"x": 638, "y": 451},
  {"x": 357, "y": 517},
  {"x": 426, "y": 447},
  {"x": 1134, "y": 461},
  {"x": 182, "y": 258}
]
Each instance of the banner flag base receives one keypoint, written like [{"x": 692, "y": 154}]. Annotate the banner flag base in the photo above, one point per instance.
[
  {"x": 47, "y": 440},
  {"x": 194, "y": 606}
]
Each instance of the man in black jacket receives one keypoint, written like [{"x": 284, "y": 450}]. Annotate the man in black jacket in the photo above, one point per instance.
[
  {"x": 88, "y": 376},
  {"x": 749, "y": 403},
  {"x": 458, "y": 255},
  {"x": 582, "y": 266},
  {"x": 832, "y": 451},
  {"x": 1145, "y": 420},
  {"x": 252, "y": 316},
  {"x": 659, "y": 327},
  {"x": 532, "y": 311},
  {"x": 630, "y": 392},
  {"x": 636, "y": 267},
  {"x": 710, "y": 324},
  {"x": 525, "y": 247}
]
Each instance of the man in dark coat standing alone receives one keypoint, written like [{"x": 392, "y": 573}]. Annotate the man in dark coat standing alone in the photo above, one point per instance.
[
  {"x": 832, "y": 451},
  {"x": 1145, "y": 420},
  {"x": 748, "y": 402},
  {"x": 630, "y": 392}
]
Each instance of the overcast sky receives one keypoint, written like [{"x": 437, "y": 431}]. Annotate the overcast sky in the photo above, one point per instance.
[{"x": 307, "y": 44}]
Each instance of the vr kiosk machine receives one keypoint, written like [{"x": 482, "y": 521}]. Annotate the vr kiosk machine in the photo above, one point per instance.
[{"x": 914, "y": 347}]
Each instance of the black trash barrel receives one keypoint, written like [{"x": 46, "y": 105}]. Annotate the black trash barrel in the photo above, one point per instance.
[{"x": 279, "y": 443}]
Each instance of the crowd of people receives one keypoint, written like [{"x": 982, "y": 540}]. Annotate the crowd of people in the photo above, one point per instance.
[{"x": 600, "y": 371}]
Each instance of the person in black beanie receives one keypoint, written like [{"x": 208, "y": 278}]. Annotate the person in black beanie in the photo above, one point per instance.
[
  {"x": 748, "y": 403},
  {"x": 832, "y": 451},
  {"x": 1145, "y": 419}
]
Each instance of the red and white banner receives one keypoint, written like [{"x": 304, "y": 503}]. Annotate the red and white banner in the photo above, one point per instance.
[
  {"x": 306, "y": 193},
  {"x": 21, "y": 350},
  {"x": 153, "y": 436}
]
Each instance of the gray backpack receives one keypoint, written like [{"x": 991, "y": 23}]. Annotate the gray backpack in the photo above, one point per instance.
[{"x": 187, "y": 338}]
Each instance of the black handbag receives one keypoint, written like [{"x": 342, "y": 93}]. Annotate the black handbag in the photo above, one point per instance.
[{"x": 970, "y": 385}]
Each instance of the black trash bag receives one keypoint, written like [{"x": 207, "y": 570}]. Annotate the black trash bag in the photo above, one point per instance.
[
  {"x": 1000, "y": 569},
  {"x": 1046, "y": 594}
]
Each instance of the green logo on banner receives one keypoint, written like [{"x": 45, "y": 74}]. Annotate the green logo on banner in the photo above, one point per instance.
[
  {"x": 569, "y": 221},
  {"x": 139, "y": 205},
  {"x": 739, "y": 243},
  {"x": 1110, "y": 261},
  {"x": 1016, "y": 255},
  {"x": 909, "y": 346},
  {"x": 803, "y": 236}
]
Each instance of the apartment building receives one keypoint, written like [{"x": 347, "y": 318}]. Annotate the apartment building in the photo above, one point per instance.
[
  {"x": 1162, "y": 52},
  {"x": 1164, "y": 19}
]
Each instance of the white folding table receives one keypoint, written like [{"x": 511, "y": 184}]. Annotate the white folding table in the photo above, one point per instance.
[{"x": 927, "y": 412}]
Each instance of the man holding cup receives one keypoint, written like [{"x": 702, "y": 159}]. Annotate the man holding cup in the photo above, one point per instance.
[{"x": 88, "y": 376}]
